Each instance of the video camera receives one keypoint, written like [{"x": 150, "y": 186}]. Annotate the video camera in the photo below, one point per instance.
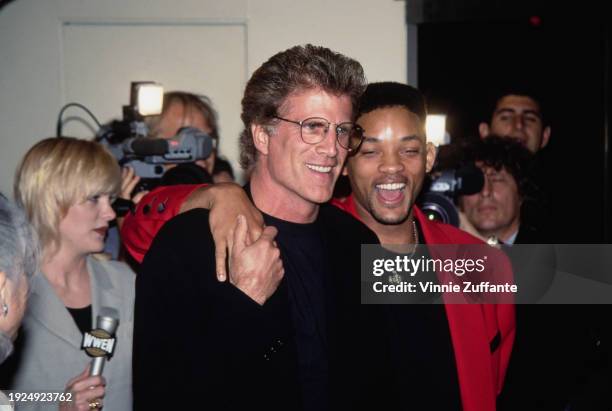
[
  {"x": 451, "y": 176},
  {"x": 129, "y": 140},
  {"x": 440, "y": 192}
]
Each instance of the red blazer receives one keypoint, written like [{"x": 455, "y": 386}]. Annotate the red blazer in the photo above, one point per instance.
[
  {"x": 160, "y": 205},
  {"x": 475, "y": 328}
]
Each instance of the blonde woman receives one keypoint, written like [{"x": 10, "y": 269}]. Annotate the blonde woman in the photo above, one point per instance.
[{"x": 66, "y": 187}]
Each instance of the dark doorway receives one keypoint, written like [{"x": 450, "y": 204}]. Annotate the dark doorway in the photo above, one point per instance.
[{"x": 462, "y": 63}]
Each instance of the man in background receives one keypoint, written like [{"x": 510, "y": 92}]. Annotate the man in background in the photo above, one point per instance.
[
  {"x": 496, "y": 210},
  {"x": 518, "y": 114},
  {"x": 559, "y": 357},
  {"x": 183, "y": 109}
]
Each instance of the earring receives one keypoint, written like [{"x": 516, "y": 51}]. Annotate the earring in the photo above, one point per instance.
[{"x": 4, "y": 309}]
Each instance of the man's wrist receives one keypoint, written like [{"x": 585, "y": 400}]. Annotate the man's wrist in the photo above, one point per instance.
[
  {"x": 206, "y": 196},
  {"x": 200, "y": 197}
]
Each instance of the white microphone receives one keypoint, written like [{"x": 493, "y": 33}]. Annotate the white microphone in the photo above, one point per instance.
[{"x": 100, "y": 342}]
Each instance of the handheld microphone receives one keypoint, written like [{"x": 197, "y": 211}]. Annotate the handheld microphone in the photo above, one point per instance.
[{"x": 99, "y": 343}]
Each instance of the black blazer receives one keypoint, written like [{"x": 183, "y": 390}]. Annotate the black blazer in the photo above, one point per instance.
[
  {"x": 562, "y": 353},
  {"x": 199, "y": 343}
]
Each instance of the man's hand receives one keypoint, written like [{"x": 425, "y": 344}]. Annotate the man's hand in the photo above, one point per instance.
[
  {"x": 85, "y": 390},
  {"x": 129, "y": 179},
  {"x": 225, "y": 201},
  {"x": 255, "y": 269}
]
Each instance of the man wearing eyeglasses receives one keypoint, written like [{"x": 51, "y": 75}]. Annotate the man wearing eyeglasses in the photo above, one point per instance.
[{"x": 274, "y": 335}]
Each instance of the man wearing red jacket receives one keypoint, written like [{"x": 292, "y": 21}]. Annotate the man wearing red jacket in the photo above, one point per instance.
[
  {"x": 386, "y": 177},
  {"x": 456, "y": 366}
]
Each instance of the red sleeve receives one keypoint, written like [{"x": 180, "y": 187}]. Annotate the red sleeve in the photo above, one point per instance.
[{"x": 160, "y": 205}]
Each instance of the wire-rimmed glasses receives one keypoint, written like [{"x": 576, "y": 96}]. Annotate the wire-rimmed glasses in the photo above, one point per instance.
[{"x": 313, "y": 130}]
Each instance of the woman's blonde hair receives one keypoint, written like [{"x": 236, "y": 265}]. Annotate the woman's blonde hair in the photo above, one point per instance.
[{"x": 57, "y": 173}]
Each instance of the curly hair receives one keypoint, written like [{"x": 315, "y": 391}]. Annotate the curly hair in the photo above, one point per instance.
[
  {"x": 290, "y": 71},
  {"x": 508, "y": 153}
]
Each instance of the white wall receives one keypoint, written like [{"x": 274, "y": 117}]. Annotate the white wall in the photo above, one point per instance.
[
  {"x": 371, "y": 31},
  {"x": 35, "y": 47}
]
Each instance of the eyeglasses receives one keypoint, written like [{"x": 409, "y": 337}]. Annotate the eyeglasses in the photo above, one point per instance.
[{"x": 314, "y": 129}]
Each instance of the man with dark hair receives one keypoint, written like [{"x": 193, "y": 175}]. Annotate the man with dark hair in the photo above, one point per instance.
[
  {"x": 518, "y": 113},
  {"x": 263, "y": 340},
  {"x": 453, "y": 362},
  {"x": 557, "y": 362},
  {"x": 496, "y": 210},
  {"x": 496, "y": 213}
]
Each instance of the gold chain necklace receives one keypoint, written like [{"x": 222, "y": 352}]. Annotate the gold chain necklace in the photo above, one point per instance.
[{"x": 397, "y": 278}]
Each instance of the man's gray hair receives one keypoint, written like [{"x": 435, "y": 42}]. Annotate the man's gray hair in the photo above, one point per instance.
[
  {"x": 19, "y": 249},
  {"x": 19, "y": 253}
]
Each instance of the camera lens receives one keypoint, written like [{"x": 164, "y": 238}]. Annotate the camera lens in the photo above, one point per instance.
[
  {"x": 159, "y": 170},
  {"x": 433, "y": 215},
  {"x": 438, "y": 207}
]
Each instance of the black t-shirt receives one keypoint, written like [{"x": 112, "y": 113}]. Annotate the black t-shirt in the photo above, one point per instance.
[
  {"x": 422, "y": 352},
  {"x": 306, "y": 270}
]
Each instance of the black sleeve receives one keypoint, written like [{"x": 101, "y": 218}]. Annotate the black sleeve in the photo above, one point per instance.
[{"x": 192, "y": 333}]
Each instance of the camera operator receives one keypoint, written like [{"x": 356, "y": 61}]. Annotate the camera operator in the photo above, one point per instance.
[
  {"x": 183, "y": 109},
  {"x": 496, "y": 210},
  {"x": 560, "y": 356},
  {"x": 180, "y": 109}
]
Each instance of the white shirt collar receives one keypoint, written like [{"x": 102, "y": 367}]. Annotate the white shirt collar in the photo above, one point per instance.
[{"x": 512, "y": 238}]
